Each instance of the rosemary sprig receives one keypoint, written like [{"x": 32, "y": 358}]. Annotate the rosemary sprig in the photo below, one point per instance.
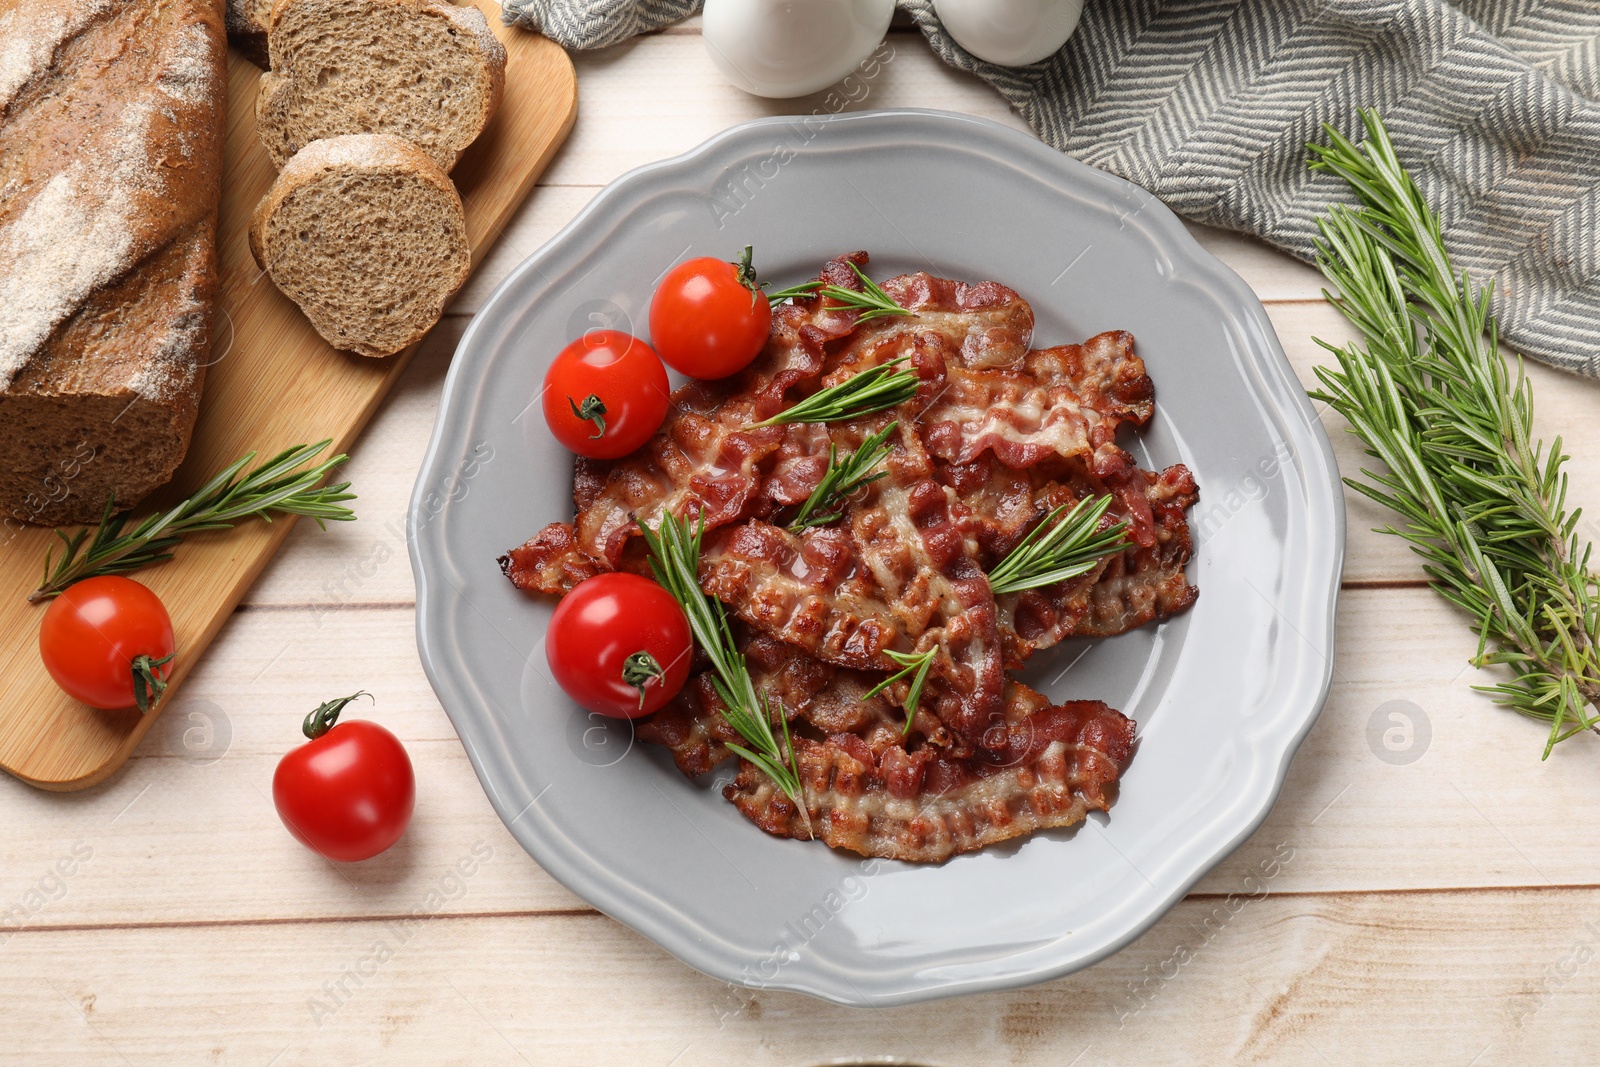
[
  {"x": 1483, "y": 503},
  {"x": 778, "y": 296},
  {"x": 878, "y": 389},
  {"x": 916, "y": 664},
  {"x": 274, "y": 486},
  {"x": 825, "y": 504},
  {"x": 1055, "y": 551},
  {"x": 675, "y": 560},
  {"x": 872, "y": 302}
]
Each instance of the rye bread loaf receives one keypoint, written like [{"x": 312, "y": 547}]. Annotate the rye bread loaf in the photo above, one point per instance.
[
  {"x": 424, "y": 70},
  {"x": 366, "y": 234},
  {"x": 112, "y": 116}
]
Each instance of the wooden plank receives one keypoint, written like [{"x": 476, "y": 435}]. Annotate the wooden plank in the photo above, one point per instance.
[
  {"x": 273, "y": 383},
  {"x": 193, "y": 807},
  {"x": 1446, "y": 979}
]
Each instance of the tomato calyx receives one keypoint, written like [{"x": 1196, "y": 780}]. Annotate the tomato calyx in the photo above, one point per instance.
[
  {"x": 639, "y": 670},
  {"x": 326, "y": 714},
  {"x": 744, "y": 270},
  {"x": 593, "y": 410},
  {"x": 148, "y": 683}
]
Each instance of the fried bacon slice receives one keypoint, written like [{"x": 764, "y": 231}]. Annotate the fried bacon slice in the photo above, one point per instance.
[
  {"x": 896, "y": 576},
  {"x": 925, "y": 806},
  {"x": 1067, "y": 402},
  {"x": 998, "y": 506}
]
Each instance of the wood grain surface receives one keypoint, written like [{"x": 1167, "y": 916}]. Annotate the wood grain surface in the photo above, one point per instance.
[
  {"x": 272, "y": 383},
  {"x": 1443, "y": 911}
]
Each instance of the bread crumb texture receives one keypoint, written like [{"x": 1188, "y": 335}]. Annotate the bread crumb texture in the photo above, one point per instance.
[
  {"x": 424, "y": 70},
  {"x": 368, "y": 236}
]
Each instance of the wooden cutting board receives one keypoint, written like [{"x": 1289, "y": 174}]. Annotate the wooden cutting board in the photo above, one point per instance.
[{"x": 273, "y": 383}]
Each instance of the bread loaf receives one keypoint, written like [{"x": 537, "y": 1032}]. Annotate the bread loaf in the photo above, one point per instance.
[
  {"x": 368, "y": 236},
  {"x": 425, "y": 70},
  {"x": 112, "y": 117}
]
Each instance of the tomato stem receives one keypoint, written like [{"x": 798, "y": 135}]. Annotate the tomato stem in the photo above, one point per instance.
[
  {"x": 326, "y": 715},
  {"x": 148, "y": 683},
  {"x": 745, "y": 271},
  {"x": 639, "y": 670},
  {"x": 593, "y": 410}
]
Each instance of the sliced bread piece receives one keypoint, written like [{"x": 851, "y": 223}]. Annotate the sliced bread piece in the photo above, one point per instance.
[
  {"x": 367, "y": 235},
  {"x": 424, "y": 70},
  {"x": 247, "y": 28}
]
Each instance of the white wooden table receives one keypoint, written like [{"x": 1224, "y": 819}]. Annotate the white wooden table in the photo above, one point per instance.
[{"x": 1437, "y": 904}]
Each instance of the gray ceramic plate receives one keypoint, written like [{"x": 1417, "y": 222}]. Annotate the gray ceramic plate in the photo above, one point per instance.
[{"x": 1223, "y": 694}]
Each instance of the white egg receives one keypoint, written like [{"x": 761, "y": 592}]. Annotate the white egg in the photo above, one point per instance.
[
  {"x": 785, "y": 48},
  {"x": 1011, "y": 33}
]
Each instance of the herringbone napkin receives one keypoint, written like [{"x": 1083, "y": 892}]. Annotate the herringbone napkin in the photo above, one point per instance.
[{"x": 1494, "y": 104}]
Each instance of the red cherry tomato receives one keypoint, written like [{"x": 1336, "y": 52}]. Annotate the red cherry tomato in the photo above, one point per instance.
[
  {"x": 605, "y": 394},
  {"x": 107, "y": 641},
  {"x": 348, "y": 792},
  {"x": 619, "y": 645},
  {"x": 709, "y": 319}
]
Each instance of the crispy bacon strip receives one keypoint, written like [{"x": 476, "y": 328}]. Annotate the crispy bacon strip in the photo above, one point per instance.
[
  {"x": 998, "y": 506},
  {"x": 808, "y": 590},
  {"x": 896, "y": 577},
  {"x": 925, "y": 806},
  {"x": 989, "y": 324},
  {"x": 549, "y": 562},
  {"x": 1067, "y": 401},
  {"x": 1147, "y": 583}
]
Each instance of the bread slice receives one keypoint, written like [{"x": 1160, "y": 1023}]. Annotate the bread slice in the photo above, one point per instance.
[
  {"x": 368, "y": 236},
  {"x": 111, "y": 126},
  {"x": 247, "y": 28},
  {"x": 424, "y": 70}
]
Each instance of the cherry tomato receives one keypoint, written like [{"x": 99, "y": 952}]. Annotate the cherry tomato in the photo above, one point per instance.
[
  {"x": 619, "y": 645},
  {"x": 709, "y": 319},
  {"x": 107, "y": 641},
  {"x": 348, "y": 791},
  {"x": 605, "y": 394}
]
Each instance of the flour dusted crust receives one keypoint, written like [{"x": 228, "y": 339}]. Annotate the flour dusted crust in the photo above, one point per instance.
[{"x": 110, "y": 165}]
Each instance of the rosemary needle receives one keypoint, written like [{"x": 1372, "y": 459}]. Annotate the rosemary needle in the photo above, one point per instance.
[
  {"x": 273, "y": 487},
  {"x": 916, "y": 664},
  {"x": 843, "y": 478},
  {"x": 871, "y": 301},
  {"x": 1055, "y": 551},
  {"x": 877, "y": 389}
]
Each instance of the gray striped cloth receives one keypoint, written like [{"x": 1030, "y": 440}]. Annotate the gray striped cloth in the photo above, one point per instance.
[{"x": 1493, "y": 104}]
